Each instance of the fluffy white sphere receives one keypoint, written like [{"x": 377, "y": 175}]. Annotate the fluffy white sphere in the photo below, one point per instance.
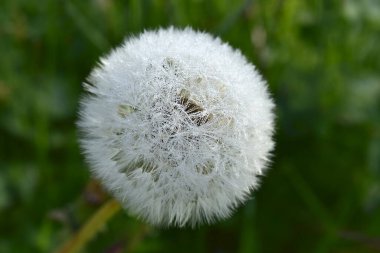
[{"x": 177, "y": 125}]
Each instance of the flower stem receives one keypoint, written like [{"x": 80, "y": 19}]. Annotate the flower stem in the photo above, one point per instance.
[{"x": 90, "y": 229}]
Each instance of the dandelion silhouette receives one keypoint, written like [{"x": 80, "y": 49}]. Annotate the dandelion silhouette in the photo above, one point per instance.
[{"x": 178, "y": 126}]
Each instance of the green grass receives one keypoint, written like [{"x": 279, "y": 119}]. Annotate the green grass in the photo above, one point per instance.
[{"x": 321, "y": 60}]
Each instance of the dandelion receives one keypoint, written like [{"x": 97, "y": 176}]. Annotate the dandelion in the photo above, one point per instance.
[{"x": 178, "y": 126}]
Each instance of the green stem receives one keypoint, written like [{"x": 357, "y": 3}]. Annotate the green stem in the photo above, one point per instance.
[{"x": 90, "y": 229}]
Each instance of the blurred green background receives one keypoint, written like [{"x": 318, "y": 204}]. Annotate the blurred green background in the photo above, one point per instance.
[{"x": 322, "y": 62}]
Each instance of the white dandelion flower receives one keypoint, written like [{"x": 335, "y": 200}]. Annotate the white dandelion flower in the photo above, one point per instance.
[{"x": 177, "y": 126}]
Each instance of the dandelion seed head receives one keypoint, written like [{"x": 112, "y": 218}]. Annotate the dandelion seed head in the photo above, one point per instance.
[{"x": 178, "y": 126}]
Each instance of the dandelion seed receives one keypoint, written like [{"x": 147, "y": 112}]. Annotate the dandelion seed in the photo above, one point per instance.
[{"x": 178, "y": 126}]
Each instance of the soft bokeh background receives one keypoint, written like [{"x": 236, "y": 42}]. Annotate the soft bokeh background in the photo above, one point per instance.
[{"x": 322, "y": 62}]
